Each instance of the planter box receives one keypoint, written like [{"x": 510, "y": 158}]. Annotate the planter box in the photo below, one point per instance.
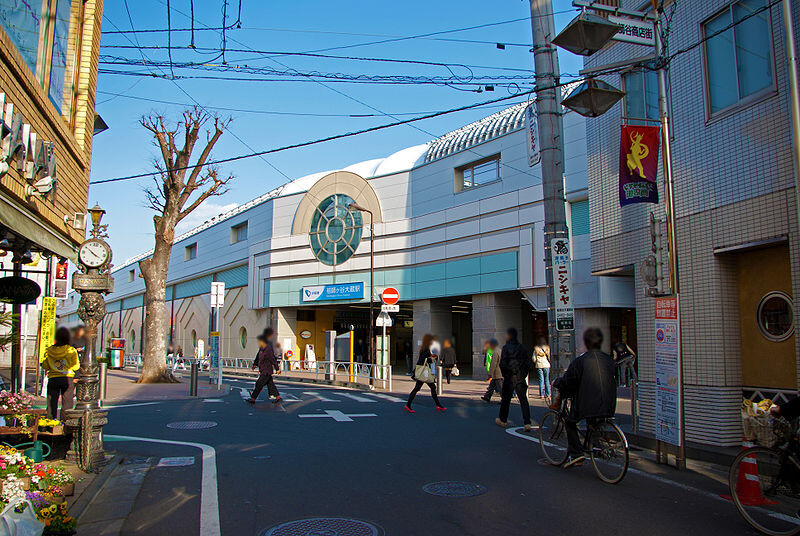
[{"x": 68, "y": 489}]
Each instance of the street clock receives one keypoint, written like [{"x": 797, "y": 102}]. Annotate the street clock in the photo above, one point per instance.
[{"x": 94, "y": 253}]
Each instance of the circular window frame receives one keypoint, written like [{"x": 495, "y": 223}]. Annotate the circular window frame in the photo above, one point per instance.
[
  {"x": 348, "y": 224},
  {"x": 764, "y": 332}
]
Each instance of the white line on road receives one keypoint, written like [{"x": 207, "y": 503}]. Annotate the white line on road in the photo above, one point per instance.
[
  {"x": 319, "y": 396},
  {"x": 356, "y": 397},
  {"x": 337, "y": 415},
  {"x": 209, "y": 491},
  {"x": 136, "y": 405},
  {"x": 209, "y": 400},
  {"x": 387, "y": 397}
]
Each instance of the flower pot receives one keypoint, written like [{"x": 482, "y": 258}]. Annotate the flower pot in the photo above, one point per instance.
[
  {"x": 58, "y": 429},
  {"x": 26, "y": 482},
  {"x": 68, "y": 489},
  {"x": 56, "y": 499}
]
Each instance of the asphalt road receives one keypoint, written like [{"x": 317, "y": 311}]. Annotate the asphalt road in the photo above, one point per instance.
[{"x": 366, "y": 459}]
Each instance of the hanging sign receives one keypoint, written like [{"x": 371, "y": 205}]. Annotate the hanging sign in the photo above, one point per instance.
[
  {"x": 16, "y": 289},
  {"x": 562, "y": 284},
  {"x": 668, "y": 364},
  {"x": 635, "y": 31},
  {"x": 532, "y": 131},
  {"x": 59, "y": 278},
  {"x": 47, "y": 325},
  {"x": 638, "y": 165}
]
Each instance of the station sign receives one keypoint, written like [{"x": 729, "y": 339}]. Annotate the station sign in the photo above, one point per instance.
[
  {"x": 343, "y": 291},
  {"x": 390, "y": 296}
]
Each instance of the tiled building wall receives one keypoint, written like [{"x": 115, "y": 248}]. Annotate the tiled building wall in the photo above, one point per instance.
[{"x": 733, "y": 185}]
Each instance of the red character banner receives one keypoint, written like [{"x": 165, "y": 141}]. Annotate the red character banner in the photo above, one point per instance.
[{"x": 638, "y": 165}]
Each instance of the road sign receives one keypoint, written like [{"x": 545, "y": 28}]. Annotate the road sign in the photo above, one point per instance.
[
  {"x": 668, "y": 365},
  {"x": 217, "y": 294},
  {"x": 390, "y": 308},
  {"x": 390, "y": 296},
  {"x": 562, "y": 284},
  {"x": 383, "y": 320}
]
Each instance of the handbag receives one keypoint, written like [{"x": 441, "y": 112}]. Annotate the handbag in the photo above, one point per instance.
[
  {"x": 455, "y": 371},
  {"x": 13, "y": 523},
  {"x": 423, "y": 373}
]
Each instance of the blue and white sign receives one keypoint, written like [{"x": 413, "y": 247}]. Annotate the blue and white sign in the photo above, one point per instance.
[{"x": 343, "y": 291}]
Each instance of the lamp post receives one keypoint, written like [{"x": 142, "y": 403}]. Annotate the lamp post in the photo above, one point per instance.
[{"x": 355, "y": 206}]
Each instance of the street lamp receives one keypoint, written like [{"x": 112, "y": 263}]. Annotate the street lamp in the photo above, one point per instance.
[
  {"x": 586, "y": 34},
  {"x": 96, "y": 214},
  {"x": 355, "y": 206},
  {"x": 593, "y": 98}
]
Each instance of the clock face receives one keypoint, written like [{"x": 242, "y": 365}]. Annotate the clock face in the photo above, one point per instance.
[{"x": 93, "y": 254}]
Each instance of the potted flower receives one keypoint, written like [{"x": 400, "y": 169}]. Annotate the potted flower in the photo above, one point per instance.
[
  {"x": 57, "y": 522},
  {"x": 61, "y": 478},
  {"x": 53, "y": 426}
]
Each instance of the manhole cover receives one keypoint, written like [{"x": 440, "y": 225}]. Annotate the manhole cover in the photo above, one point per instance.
[
  {"x": 324, "y": 526},
  {"x": 191, "y": 425},
  {"x": 454, "y": 489}
]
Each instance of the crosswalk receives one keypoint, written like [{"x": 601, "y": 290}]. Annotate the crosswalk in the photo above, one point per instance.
[{"x": 327, "y": 396}]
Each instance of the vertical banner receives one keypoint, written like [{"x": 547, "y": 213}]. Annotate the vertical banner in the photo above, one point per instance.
[
  {"x": 47, "y": 325},
  {"x": 668, "y": 366},
  {"x": 638, "y": 165},
  {"x": 59, "y": 279},
  {"x": 213, "y": 350},
  {"x": 562, "y": 284},
  {"x": 532, "y": 130}
]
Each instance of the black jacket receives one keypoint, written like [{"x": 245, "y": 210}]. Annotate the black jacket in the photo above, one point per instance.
[
  {"x": 424, "y": 357},
  {"x": 515, "y": 360},
  {"x": 265, "y": 360},
  {"x": 589, "y": 381},
  {"x": 448, "y": 357}
]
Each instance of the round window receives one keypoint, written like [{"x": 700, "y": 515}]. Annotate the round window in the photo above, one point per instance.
[
  {"x": 775, "y": 316},
  {"x": 335, "y": 230},
  {"x": 243, "y": 337}
]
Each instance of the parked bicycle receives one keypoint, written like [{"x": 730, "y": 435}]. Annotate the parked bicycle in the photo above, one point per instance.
[
  {"x": 603, "y": 441},
  {"x": 764, "y": 482}
]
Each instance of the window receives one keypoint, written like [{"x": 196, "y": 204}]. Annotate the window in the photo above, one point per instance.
[
  {"x": 243, "y": 337},
  {"x": 739, "y": 62},
  {"x": 335, "y": 230},
  {"x": 131, "y": 275},
  {"x": 641, "y": 94},
  {"x": 194, "y": 339},
  {"x": 239, "y": 233},
  {"x": 190, "y": 252},
  {"x": 478, "y": 173},
  {"x": 132, "y": 339},
  {"x": 775, "y": 317}
]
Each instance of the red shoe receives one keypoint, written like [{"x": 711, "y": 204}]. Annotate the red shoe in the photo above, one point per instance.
[
  {"x": 251, "y": 400},
  {"x": 408, "y": 409},
  {"x": 441, "y": 408}
]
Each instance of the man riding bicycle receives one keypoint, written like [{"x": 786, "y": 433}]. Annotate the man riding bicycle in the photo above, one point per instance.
[{"x": 589, "y": 382}]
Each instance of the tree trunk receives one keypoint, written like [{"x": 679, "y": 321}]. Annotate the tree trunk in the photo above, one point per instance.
[{"x": 154, "y": 271}]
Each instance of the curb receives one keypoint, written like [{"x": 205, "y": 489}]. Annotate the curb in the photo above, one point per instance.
[{"x": 80, "y": 506}]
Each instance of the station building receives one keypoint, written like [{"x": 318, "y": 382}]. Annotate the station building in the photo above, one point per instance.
[{"x": 458, "y": 228}]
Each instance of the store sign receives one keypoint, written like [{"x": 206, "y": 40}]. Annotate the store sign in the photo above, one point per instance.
[
  {"x": 668, "y": 366},
  {"x": 16, "y": 289},
  {"x": 562, "y": 284},
  {"x": 305, "y": 334},
  {"x": 59, "y": 279},
  {"x": 532, "y": 130},
  {"x": 343, "y": 291},
  {"x": 47, "y": 325},
  {"x": 22, "y": 148},
  {"x": 640, "y": 32}
]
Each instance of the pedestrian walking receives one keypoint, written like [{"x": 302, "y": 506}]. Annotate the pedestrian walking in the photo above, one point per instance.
[
  {"x": 408, "y": 354},
  {"x": 541, "y": 360},
  {"x": 515, "y": 364},
  {"x": 448, "y": 359},
  {"x": 60, "y": 362},
  {"x": 495, "y": 380},
  {"x": 423, "y": 376},
  {"x": 267, "y": 364}
]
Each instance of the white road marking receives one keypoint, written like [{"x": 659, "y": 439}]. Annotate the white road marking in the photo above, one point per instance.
[
  {"x": 136, "y": 405},
  {"x": 515, "y": 432},
  {"x": 387, "y": 397},
  {"x": 209, "y": 400},
  {"x": 209, "y": 491},
  {"x": 356, "y": 397},
  {"x": 245, "y": 394},
  {"x": 176, "y": 461},
  {"x": 337, "y": 415},
  {"x": 319, "y": 396}
]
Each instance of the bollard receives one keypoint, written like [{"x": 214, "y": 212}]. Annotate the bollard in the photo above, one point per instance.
[
  {"x": 195, "y": 371},
  {"x": 103, "y": 372},
  {"x": 438, "y": 380}
]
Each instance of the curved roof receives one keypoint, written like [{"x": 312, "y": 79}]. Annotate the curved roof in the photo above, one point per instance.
[{"x": 485, "y": 129}]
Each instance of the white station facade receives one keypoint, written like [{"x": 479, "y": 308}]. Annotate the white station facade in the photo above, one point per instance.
[{"x": 459, "y": 233}]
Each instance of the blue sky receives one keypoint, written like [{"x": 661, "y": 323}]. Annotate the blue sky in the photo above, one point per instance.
[{"x": 126, "y": 148}]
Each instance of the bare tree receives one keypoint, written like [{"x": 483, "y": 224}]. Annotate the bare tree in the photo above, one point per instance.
[{"x": 180, "y": 187}]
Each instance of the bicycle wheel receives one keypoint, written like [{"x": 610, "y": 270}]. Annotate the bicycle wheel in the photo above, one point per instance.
[
  {"x": 765, "y": 487},
  {"x": 553, "y": 438},
  {"x": 608, "y": 449}
]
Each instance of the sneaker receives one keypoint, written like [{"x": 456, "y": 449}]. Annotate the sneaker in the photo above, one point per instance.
[
  {"x": 527, "y": 428},
  {"x": 408, "y": 409},
  {"x": 574, "y": 461},
  {"x": 487, "y": 400},
  {"x": 276, "y": 399},
  {"x": 500, "y": 423}
]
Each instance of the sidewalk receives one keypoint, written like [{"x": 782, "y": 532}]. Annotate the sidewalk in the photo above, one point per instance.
[{"x": 121, "y": 386}]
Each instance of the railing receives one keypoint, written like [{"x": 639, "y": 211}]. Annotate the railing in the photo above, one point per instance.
[{"x": 132, "y": 360}]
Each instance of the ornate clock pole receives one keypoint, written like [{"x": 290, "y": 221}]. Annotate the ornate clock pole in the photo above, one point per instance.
[{"x": 92, "y": 280}]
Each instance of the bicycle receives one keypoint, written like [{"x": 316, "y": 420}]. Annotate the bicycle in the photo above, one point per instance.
[
  {"x": 603, "y": 441},
  {"x": 764, "y": 482}
]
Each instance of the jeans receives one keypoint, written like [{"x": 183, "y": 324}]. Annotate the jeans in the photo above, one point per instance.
[
  {"x": 512, "y": 385},
  {"x": 56, "y": 388},
  {"x": 265, "y": 379},
  {"x": 416, "y": 389},
  {"x": 495, "y": 386},
  {"x": 544, "y": 381}
]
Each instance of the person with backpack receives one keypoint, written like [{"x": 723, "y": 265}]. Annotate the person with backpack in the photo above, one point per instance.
[
  {"x": 515, "y": 364},
  {"x": 493, "y": 369},
  {"x": 60, "y": 362}
]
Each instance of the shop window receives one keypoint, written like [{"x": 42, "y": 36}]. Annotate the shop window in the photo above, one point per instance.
[
  {"x": 477, "y": 173},
  {"x": 190, "y": 252},
  {"x": 239, "y": 233},
  {"x": 243, "y": 337},
  {"x": 58, "y": 57},
  {"x": 775, "y": 316},
  {"x": 738, "y": 60}
]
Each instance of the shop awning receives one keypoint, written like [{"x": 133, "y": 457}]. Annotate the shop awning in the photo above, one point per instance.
[{"x": 24, "y": 223}]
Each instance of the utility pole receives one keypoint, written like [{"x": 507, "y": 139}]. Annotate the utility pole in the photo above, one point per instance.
[{"x": 551, "y": 139}]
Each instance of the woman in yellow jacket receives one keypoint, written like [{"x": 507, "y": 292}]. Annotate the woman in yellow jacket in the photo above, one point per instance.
[{"x": 60, "y": 362}]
